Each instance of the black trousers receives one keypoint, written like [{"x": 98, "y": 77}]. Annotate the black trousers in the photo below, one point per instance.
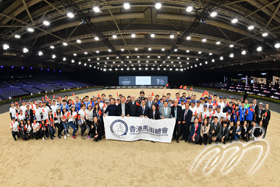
[
  {"x": 88, "y": 126},
  {"x": 59, "y": 126},
  {"x": 203, "y": 139},
  {"x": 210, "y": 139},
  {"x": 83, "y": 129},
  {"x": 186, "y": 131},
  {"x": 38, "y": 134},
  {"x": 177, "y": 131},
  {"x": 231, "y": 137},
  {"x": 14, "y": 134},
  {"x": 265, "y": 129}
]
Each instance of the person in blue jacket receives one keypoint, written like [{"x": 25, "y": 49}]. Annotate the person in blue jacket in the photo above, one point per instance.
[
  {"x": 242, "y": 113},
  {"x": 195, "y": 131},
  {"x": 250, "y": 114},
  {"x": 77, "y": 104}
]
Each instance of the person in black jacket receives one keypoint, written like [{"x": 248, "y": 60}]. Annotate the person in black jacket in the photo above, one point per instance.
[
  {"x": 95, "y": 131},
  {"x": 143, "y": 111},
  {"x": 29, "y": 113},
  {"x": 215, "y": 131},
  {"x": 176, "y": 111},
  {"x": 111, "y": 109},
  {"x": 133, "y": 106},
  {"x": 123, "y": 108},
  {"x": 224, "y": 133},
  {"x": 266, "y": 118},
  {"x": 258, "y": 113},
  {"x": 154, "y": 113},
  {"x": 186, "y": 122},
  {"x": 232, "y": 131}
]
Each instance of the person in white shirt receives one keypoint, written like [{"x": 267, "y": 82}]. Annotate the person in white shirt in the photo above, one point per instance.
[
  {"x": 14, "y": 128},
  {"x": 204, "y": 113},
  {"x": 57, "y": 121},
  {"x": 38, "y": 112},
  {"x": 221, "y": 103},
  {"x": 29, "y": 130},
  {"x": 36, "y": 128},
  {"x": 54, "y": 106},
  {"x": 199, "y": 109},
  {"x": 23, "y": 107},
  {"x": 72, "y": 120},
  {"x": 219, "y": 113},
  {"x": 194, "y": 111},
  {"x": 12, "y": 110},
  {"x": 45, "y": 111},
  {"x": 21, "y": 116},
  {"x": 227, "y": 116},
  {"x": 64, "y": 121},
  {"x": 32, "y": 105},
  {"x": 89, "y": 117},
  {"x": 82, "y": 120}
]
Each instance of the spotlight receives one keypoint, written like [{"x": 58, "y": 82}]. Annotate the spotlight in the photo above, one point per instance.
[
  {"x": 204, "y": 40},
  {"x": 158, "y": 5},
  {"x": 52, "y": 47},
  {"x": 78, "y": 41},
  {"x": 96, "y": 38},
  {"x": 97, "y": 52},
  {"x": 133, "y": 35},
  {"x": 70, "y": 15},
  {"x": 136, "y": 49},
  {"x": 6, "y": 46},
  {"x": 213, "y": 14},
  {"x": 152, "y": 35},
  {"x": 17, "y": 36},
  {"x": 96, "y": 9},
  {"x": 64, "y": 59},
  {"x": 162, "y": 49},
  {"x": 149, "y": 49},
  {"x": 231, "y": 45},
  {"x": 65, "y": 43},
  {"x": 109, "y": 50},
  {"x": 30, "y": 29},
  {"x": 85, "y": 53},
  {"x": 40, "y": 53},
  {"x": 75, "y": 54},
  {"x": 277, "y": 45},
  {"x": 175, "y": 50},
  {"x": 251, "y": 27},
  {"x": 231, "y": 55},
  {"x": 114, "y": 36},
  {"x": 45, "y": 22},
  {"x": 126, "y": 6},
  {"x": 218, "y": 43},
  {"x": 187, "y": 51},
  {"x": 259, "y": 49},
  {"x": 265, "y": 34},
  {"x": 234, "y": 20},
  {"x": 25, "y": 50},
  {"x": 210, "y": 54},
  {"x": 199, "y": 52},
  {"x": 188, "y": 38},
  {"x": 189, "y": 8},
  {"x": 53, "y": 56},
  {"x": 171, "y": 36},
  {"x": 221, "y": 58},
  {"x": 243, "y": 52},
  {"x": 122, "y": 49}
]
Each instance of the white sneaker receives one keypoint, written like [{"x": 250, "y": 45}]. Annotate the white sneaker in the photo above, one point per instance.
[
  {"x": 43, "y": 138},
  {"x": 68, "y": 134},
  {"x": 65, "y": 137}
]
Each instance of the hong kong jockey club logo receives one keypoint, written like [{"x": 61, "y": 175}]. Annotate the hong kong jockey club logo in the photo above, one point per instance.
[{"x": 119, "y": 128}]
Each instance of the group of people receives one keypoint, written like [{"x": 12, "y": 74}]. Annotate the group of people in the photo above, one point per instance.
[{"x": 201, "y": 121}]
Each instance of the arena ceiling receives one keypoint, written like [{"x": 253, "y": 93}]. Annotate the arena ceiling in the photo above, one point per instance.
[{"x": 113, "y": 35}]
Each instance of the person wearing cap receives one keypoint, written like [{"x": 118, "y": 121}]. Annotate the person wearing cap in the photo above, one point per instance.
[
  {"x": 82, "y": 120},
  {"x": 219, "y": 113},
  {"x": 205, "y": 113},
  {"x": 227, "y": 116},
  {"x": 209, "y": 102},
  {"x": 215, "y": 131},
  {"x": 36, "y": 128},
  {"x": 182, "y": 103},
  {"x": 64, "y": 122},
  {"x": 45, "y": 111},
  {"x": 211, "y": 113},
  {"x": 199, "y": 109},
  {"x": 14, "y": 128},
  {"x": 72, "y": 118},
  {"x": 29, "y": 113},
  {"x": 57, "y": 115},
  {"x": 202, "y": 101},
  {"x": 21, "y": 116},
  {"x": 258, "y": 114},
  {"x": 227, "y": 107},
  {"x": 266, "y": 118},
  {"x": 29, "y": 129},
  {"x": 194, "y": 111},
  {"x": 176, "y": 111},
  {"x": 12, "y": 110},
  {"x": 50, "y": 124},
  {"x": 38, "y": 112},
  {"x": 23, "y": 107},
  {"x": 221, "y": 103},
  {"x": 22, "y": 130},
  {"x": 142, "y": 95}
]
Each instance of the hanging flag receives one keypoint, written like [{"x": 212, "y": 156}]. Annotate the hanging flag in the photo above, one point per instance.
[
  {"x": 46, "y": 96},
  {"x": 59, "y": 98},
  {"x": 191, "y": 89},
  {"x": 167, "y": 85},
  {"x": 53, "y": 96},
  {"x": 117, "y": 94},
  {"x": 73, "y": 94},
  {"x": 181, "y": 87},
  {"x": 98, "y": 95},
  {"x": 185, "y": 87},
  {"x": 100, "y": 113},
  {"x": 153, "y": 94}
]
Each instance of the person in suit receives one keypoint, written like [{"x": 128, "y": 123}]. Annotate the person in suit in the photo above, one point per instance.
[
  {"x": 29, "y": 113},
  {"x": 258, "y": 113},
  {"x": 150, "y": 102},
  {"x": 165, "y": 111},
  {"x": 143, "y": 111},
  {"x": 232, "y": 131},
  {"x": 186, "y": 122},
  {"x": 224, "y": 133},
  {"x": 133, "y": 106},
  {"x": 176, "y": 111},
  {"x": 154, "y": 113},
  {"x": 195, "y": 131},
  {"x": 215, "y": 131},
  {"x": 111, "y": 109},
  {"x": 123, "y": 108},
  {"x": 204, "y": 130},
  {"x": 266, "y": 118}
]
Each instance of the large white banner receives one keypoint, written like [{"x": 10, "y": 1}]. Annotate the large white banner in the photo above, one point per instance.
[{"x": 136, "y": 128}]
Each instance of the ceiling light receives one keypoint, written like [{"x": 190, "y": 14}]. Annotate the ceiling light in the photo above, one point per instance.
[
  {"x": 251, "y": 27},
  {"x": 17, "y": 36},
  {"x": 114, "y": 36},
  {"x": 231, "y": 45},
  {"x": 265, "y": 34},
  {"x": 204, "y": 40},
  {"x": 171, "y": 36},
  {"x": 149, "y": 49},
  {"x": 96, "y": 9},
  {"x": 122, "y": 49},
  {"x": 199, "y": 52},
  {"x": 70, "y": 15},
  {"x": 85, "y": 53},
  {"x": 52, "y": 47},
  {"x": 277, "y": 45},
  {"x": 210, "y": 54},
  {"x": 97, "y": 52},
  {"x": 259, "y": 49},
  {"x": 78, "y": 41},
  {"x": 152, "y": 35},
  {"x": 126, "y": 6},
  {"x": 243, "y": 52},
  {"x": 29, "y": 29},
  {"x": 175, "y": 50},
  {"x": 234, "y": 20},
  {"x": 188, "y": 38},
  {"x": 162, "y": 49},
  {"x": 158, "y": 5},
  {"x": 213, "y": 14},
  {"x": 40, "y": 53},
  {"x": 187, "y": 51},
  {"x": 64, "y": 59},
  {"x": 136, "y": 49},
  {"x": 53, "y": 56},
  {"x": 218, "y": 43},
  {"x": 133, "y": 35},
  {"x": 96, "y": 38},
  {"x": 65, "y": 43},
  {"x": 6, "y": 46},
  {"x": 74, "y": 54},
  {"x": 45, "y": 22},
  {"x": 213, "y": 60},
  {"x": 109, "y": 50},
  {"x": 231, "y": 55},
  {"x": 25, "y": 50},
  {"x": 189, "y": 8},
  {"x": 221, "y": 58}
]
